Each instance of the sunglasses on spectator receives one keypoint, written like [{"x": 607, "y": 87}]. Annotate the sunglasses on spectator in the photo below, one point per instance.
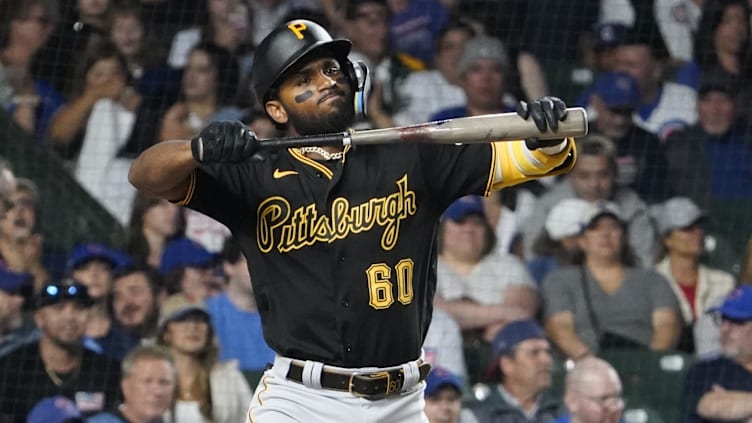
[{"x": 56, "y": 293}]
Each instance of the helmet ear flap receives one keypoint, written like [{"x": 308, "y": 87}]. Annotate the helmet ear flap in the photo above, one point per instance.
[{"x": 361, "y": 84}]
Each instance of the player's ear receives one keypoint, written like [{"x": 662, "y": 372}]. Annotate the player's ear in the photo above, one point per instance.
[{"x": 276, "y": 111}]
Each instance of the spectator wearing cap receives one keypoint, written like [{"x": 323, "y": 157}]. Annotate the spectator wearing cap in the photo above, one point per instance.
[
  {"x": 478, "y": 286},
  {"x": 557, "y": 243},
  {"x": 57, "y": 409},
  {"x": 603, "y": 301},
  {"x": 21, "y": 245},
  {"x": 593, "y": 393},
  {"x": 234, "y": 314},
  {"x": 443, "y": 393},
  {"x": 521, "y": 372},
  {"x": 681, "y": 227},
  {"x": 15, "y": 294},
  {"x": 92, "y": 264},
  {"x": 593, "y": 179},
  {"x": 484, "y": 71},
  {"x": 608, "y": 36},
  {"x": 710, "y": 161},
  {"x": 719, "y": 389},
  {"x": 207, "y": 389},
  {"x": 429, "y": 91},
  {"x": 640, "y": 156},
  {"x": 187, "y": 268},
  {"x": 58, "y": 363},
  {"x": 664, "y": 106},
  {"x": 148, "y": 385}
]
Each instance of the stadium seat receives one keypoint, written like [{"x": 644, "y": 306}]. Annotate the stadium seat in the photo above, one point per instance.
[{"x": 652, "y": 380}]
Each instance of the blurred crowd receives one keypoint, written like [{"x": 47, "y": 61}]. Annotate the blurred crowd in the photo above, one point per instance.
[{"x": 644, "y": 247}]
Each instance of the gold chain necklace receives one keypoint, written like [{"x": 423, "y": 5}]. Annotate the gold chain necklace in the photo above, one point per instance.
[{"x": 321, "y": 152}]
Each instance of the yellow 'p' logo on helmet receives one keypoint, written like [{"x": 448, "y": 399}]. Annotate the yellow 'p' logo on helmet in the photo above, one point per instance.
[{"x": 297, "y": 29}]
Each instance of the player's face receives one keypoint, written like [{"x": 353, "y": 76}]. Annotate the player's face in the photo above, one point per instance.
[
  {"x": 483, "y": 83},
  {"x": 63, "y": 323},
  {"x": 314, "y": 99},
  {"x": 530, "y": 366},
  {"x": 444, "y": 406},
  {"x": 716, "y": 112},
  {"x": 592, "y": 178},
  {"x": 97, "y": 276},
  {"x": 148, "y": 390},
  {"x": 603, "y": 238},
  {"x": 132, "y": 300}
]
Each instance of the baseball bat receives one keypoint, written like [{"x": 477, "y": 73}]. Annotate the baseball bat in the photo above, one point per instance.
[{"x": 467, "y": 130}]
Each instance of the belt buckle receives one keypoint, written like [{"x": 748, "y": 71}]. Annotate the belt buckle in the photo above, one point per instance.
[{"x": 370, "y": 377}]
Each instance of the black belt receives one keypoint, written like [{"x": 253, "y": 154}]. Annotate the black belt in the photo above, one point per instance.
[{"x": 374, "y": 385}]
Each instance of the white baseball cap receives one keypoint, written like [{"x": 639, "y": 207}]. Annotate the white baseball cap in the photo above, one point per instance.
[
  {"x": 677, "y": 212},
  {"x": 565, "y": 218}
]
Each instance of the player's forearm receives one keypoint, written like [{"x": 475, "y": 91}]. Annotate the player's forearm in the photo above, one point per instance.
[
  {"x": 729, "y": 405},
  {"x": 164, "y": 169}
]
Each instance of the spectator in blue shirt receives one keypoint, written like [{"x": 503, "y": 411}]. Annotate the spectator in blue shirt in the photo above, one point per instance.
[{"x": 235, "y": 317}]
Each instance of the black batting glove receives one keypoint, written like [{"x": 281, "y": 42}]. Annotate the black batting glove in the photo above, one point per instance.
[
  {"x": 224, "y": 142},
  {"x": 546, "y": 113}
]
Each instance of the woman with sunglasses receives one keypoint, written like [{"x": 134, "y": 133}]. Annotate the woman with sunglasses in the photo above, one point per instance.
[
  {"x": 697, "y": 287},
  {"x": 207, "y": 391}
]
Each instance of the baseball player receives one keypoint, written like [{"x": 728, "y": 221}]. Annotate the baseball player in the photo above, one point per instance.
[{"x": 339, "y": 242}]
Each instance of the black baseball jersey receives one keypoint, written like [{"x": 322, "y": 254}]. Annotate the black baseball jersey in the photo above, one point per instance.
[{"x": 342, "y": 253}]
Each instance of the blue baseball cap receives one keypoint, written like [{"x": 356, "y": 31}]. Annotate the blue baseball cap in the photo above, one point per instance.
[
  {"x": 11, "y": 281},
  {"x": 514, "y": 333},
  {"x": 56, "y": 409},
  {"x": 184, "y": 252},
  {"x": 617, "y": 90},
  {"x": 465, "y": 206},
  {"x": 609, "y": 34},
  {"x": 440, "y": 377},
  {"x": 83, "y": 253},
  {"x": 737, "y": 305}
]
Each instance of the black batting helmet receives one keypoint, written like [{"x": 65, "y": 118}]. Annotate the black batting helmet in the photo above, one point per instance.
[{"x": 285, "y": 46}]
